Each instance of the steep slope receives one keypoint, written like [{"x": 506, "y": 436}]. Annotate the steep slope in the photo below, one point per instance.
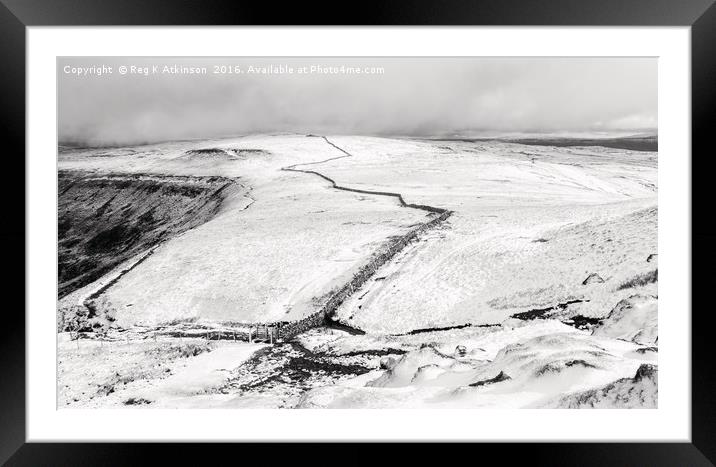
[{"x": 103, "y": 220}]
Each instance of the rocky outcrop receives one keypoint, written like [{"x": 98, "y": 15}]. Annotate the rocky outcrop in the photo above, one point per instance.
[
  {"x": 222, "y": 154},
  {"x": 593, "y": 278},
  {"x": 546, "y": 312},
  {"x": 388, "y": 363},
  {"x": 582, "y": 322},
  {"x": 501, "y": 376},
  {"x": 639, "y": 392},
  {"x": 633, "y": 319}
]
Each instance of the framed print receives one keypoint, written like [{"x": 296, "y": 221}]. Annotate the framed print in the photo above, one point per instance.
[{"x": 410, "y": 225}]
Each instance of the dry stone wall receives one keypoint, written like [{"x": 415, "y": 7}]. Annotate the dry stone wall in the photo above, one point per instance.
[{"x": 286, "y": 330}]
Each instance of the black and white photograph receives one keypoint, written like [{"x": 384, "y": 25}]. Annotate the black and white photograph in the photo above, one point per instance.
[{"x": 357, "y": 232}]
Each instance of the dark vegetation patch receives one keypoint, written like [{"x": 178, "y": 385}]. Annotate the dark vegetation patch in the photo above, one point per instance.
[
  {"x": 542, "y": 313},
  {"x": 118, "y": 380},
  {"x": 105, "y": 220},
  {"x": 374, "y": 352},
  {"x": 291, "y": 368},
  {"x": 582, "y": 322},
  {"x": 303, "y": 367},
  {"x": 112, "y": 238},
  {"x": 137, "y": 401},
  {"x": 446, "y": 328},
  {"x": 206, "y": 152},
  {"x": 640, "y": 280}
]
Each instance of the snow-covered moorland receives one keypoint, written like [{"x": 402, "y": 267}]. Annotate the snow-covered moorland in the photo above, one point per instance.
[{"x": 538, "y": 290}]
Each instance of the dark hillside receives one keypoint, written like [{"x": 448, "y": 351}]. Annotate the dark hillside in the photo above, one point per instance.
[{"x": 103, "y": 220}]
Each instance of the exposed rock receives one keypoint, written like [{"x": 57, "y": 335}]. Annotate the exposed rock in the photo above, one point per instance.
[
  {"x": 559, "y": 366},
  {"x": 543, "y": 313},
  {"x": 460, "y": 350},
  {"x": 646, "y": 371},
  {"x": 208, "y": 153},
  {"x": 593, "y": 278},
  {"x": 387, "y": 363},
  {"x": 641, "y": 391},
  {"x": 632, "y": 319},
  {"x": 502, "y": 376},
  {"x": 246, "y": 152},
  {"x": 582, "y": 322}
]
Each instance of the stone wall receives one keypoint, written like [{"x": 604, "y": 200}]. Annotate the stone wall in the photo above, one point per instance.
[{"x": 288, "y": 329}]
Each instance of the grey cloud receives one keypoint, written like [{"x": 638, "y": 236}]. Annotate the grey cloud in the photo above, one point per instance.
[{"x": 414, "y": 96}]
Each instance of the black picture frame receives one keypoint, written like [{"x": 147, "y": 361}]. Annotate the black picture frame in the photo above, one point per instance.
[{"x": 17, "y": 15}]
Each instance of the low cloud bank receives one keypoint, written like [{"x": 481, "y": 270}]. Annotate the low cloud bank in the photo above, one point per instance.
[{"x": 386, "y": 96}]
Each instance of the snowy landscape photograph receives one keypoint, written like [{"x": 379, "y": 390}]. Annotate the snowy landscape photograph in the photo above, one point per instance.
[{"x": 357, "y": 232}]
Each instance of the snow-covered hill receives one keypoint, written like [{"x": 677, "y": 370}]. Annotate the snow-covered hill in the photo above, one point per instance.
[{"x": 542, "y": 284}]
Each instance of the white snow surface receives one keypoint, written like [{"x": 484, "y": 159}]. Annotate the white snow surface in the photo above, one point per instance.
[
  {"x": 267, "y": 259},
  {"x": 157, "y": 372},
  {"x": 540, "y": 359},
  {"x": 529, "y": 224}
]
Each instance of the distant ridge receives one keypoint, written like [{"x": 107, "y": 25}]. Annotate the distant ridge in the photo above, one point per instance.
[{"x": 632, "y": 143}]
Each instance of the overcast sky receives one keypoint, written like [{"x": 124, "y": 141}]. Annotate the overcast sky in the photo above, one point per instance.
[{"x": 412, "y": 96}]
